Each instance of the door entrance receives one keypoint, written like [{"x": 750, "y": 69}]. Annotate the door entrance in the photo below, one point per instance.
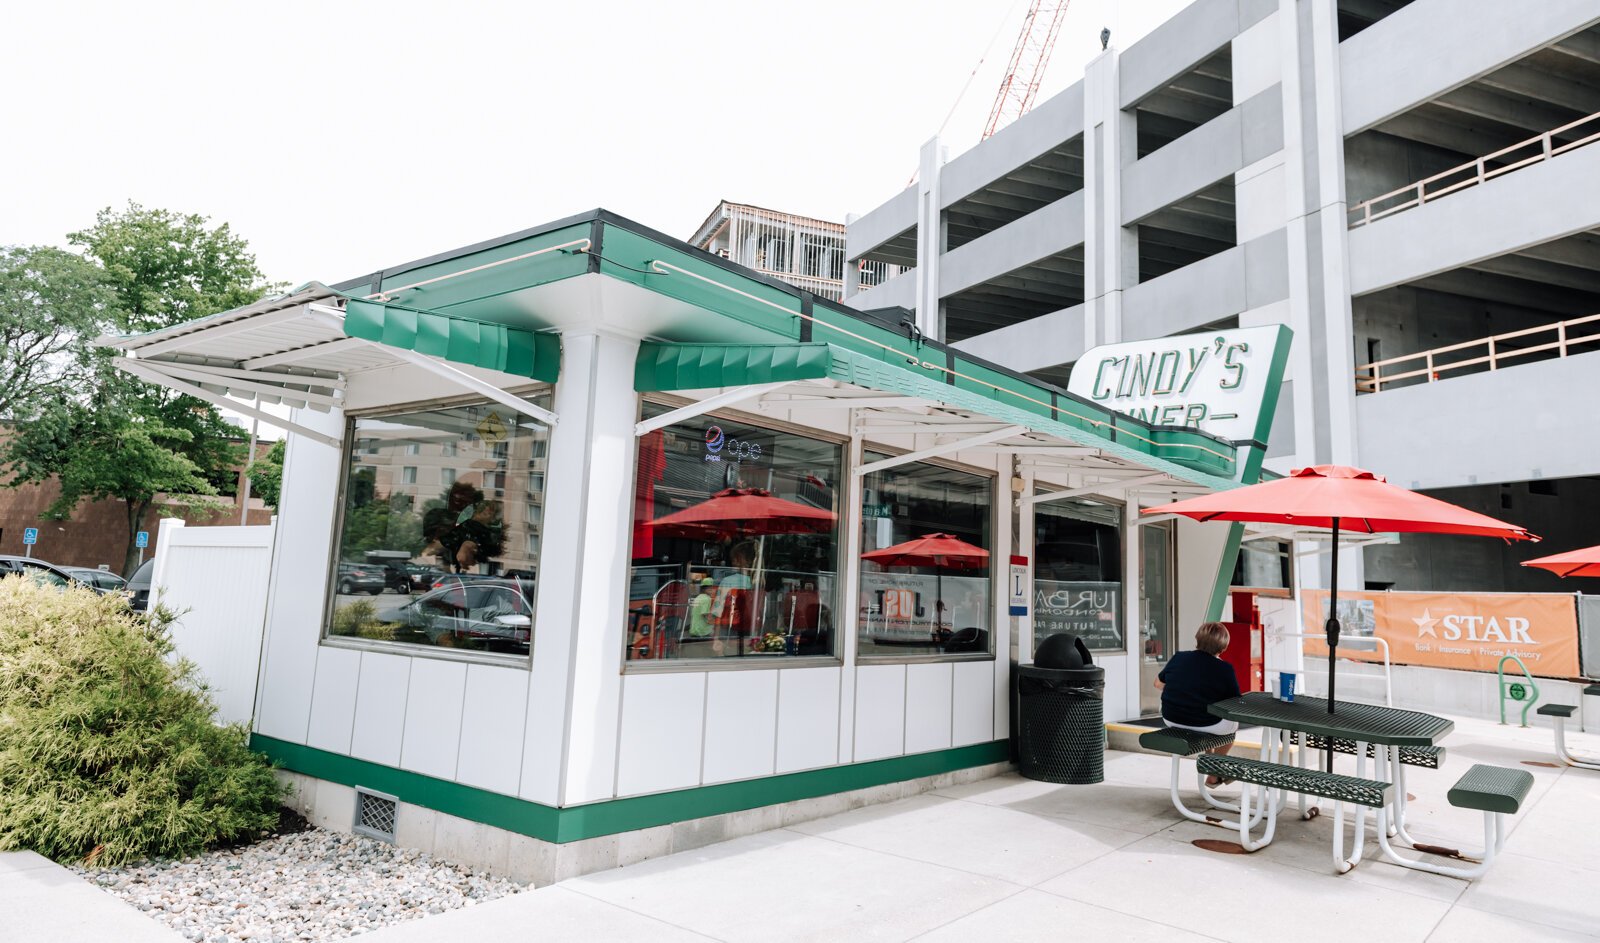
[{"x": 1157, "y": 612}]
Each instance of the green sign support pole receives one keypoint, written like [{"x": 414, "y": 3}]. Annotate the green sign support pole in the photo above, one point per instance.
[{"x": 1249, "y": 470}]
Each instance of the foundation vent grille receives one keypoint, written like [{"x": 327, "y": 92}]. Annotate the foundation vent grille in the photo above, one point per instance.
[{"x": 375, "y": 814}]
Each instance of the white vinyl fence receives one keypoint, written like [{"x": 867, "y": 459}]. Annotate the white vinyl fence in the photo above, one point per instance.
[{"x": 215, "y": 579}]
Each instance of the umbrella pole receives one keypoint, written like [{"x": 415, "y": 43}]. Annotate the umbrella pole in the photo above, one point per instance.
[
  {"x": 1332, "y": 629},
  {"x": 938, "y": 602}
]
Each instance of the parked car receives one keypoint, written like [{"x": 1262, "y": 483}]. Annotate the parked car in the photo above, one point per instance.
[
  {"x": 138, "y": 588},
  {"x": 491, "y": 614},
  {"x": 410, "y": 577},
  {"x": 103, "y": 582},
  {"x": 360, "y": 578},
  {"x": 40, "y": 570}
]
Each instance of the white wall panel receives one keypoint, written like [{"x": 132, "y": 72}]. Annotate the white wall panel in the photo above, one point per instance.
[
  {"x": 928, "y": 696},
  {"x": 380, "y": 708},
  {"x": 880, "y": 727},
  {"x": 333, "y": 699},
  {"x": 492, "y": 717},
  {"x": 433, "y": 717},
  {"x": 1257, "y": 63},
  {"x": 215, "y": 579},
  {"x": 300, "y": 568},
  {"x": 663, "y": 717},
  {"x": 972, "y": 702},
  {"x": 808, "y": 718},
  {"x": 741, "y": 725}
]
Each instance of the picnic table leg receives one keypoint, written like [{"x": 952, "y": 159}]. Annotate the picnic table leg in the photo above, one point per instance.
[{"x": 1493, "y": 837}]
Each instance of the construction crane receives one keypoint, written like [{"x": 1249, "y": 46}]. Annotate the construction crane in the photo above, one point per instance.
[{"x": 1021, "y": 84}]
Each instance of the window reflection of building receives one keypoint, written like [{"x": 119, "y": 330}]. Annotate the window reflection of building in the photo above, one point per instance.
[
  {"x": 432, "y": 494},
  {"x": 899, "y": 608}
]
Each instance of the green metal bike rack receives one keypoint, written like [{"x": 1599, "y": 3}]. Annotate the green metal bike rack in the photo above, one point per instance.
[{"x": 1532, "y": 699}]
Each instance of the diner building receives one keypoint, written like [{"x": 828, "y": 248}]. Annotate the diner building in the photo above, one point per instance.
[{"x": 632, "y": 484}]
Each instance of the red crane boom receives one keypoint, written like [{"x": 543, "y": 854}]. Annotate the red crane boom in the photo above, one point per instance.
[{"x": 1021, "y": 85}]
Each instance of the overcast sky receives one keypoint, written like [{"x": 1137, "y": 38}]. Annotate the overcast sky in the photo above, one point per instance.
[{"x": 339, "y": 138}]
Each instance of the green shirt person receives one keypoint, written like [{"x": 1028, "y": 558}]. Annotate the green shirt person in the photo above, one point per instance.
[{"x": 700, "y": 610}]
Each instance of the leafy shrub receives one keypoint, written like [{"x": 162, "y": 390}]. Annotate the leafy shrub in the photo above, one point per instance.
[{"x": 108, "y": 751}]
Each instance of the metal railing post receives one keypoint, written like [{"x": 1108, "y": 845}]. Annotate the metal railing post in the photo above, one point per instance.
[
  {"x": 1561, "y": 337},
  {"x": 1493, "y": 365}
]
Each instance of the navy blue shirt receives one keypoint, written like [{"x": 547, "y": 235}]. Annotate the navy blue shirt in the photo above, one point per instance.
[{"x": 1193, "y": 680}]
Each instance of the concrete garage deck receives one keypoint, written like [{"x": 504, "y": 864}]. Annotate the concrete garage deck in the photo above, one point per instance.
[{"x": 1007, "y": 858}]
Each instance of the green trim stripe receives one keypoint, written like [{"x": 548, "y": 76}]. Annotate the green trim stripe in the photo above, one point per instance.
[{"x": 576, "y": 823}]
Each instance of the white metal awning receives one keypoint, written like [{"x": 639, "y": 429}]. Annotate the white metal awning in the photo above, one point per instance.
[
  {"x": 291, "y": 350},
  {"x": 941, "y": 430}
]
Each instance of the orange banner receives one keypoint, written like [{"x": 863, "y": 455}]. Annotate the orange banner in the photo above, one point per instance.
[{"x": 1470, "y": 631}]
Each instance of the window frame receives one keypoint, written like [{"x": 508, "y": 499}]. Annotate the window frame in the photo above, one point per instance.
[
  {"x": 330, "y": 596},
  {"x": 1043, "y": 489},
  {"x": 679, "y": 666},
  {"x": 996, "y": 521}
]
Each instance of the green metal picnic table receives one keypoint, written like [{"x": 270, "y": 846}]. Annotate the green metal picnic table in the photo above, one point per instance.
[
  {"x": 1363, "y": 723},
  {"x": 1387, "y": 729}
]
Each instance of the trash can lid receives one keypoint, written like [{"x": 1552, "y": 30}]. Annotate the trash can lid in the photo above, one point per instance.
[{"x": 1063, "y": 650}]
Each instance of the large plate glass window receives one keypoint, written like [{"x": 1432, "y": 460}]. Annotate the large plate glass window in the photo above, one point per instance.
[
  {"x": 734, "y": 543},
  {"x": 926, "y": 609},
  {"x": 1077, "y": 573},
  {"x": 438, "y": 541}
]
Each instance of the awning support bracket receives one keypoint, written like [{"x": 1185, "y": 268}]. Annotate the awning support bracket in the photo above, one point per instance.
[
  {"x": 226, "y": 402},
  {"x": 721, "y": 400},
  {"x": 944, "y": 449}
]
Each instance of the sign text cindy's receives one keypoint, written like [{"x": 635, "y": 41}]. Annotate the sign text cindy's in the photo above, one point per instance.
[{"x": 1214, "y": 381}]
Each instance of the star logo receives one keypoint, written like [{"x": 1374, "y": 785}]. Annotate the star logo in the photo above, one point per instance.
[{"x": 1425, "y": 624}]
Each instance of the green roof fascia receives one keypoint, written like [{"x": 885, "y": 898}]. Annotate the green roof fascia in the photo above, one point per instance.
[
  {"x": 627, "y": 256},
  {"x": 512, "y": 350},
  {"x": 751, "y": 299},
  {"x": 504, "y": 277}
]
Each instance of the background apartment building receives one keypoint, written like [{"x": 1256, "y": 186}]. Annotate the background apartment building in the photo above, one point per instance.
[
  {"x": 807, "y": 253},
  {"x": 1404, "y": 183}
]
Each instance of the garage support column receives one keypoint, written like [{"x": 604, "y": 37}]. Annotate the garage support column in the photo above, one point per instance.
[
  {"x": 575, "y": 701},
  {"x": 930, "y": 240},
  {"x": 1110, "y": 248},
  {"x": 1319, "y": 282}
]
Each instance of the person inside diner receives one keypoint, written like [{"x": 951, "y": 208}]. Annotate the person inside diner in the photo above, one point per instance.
[{"x": 1193, "y": 680}]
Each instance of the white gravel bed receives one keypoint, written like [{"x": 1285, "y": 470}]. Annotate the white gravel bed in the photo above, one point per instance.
[{"x": 312, "y": 885}]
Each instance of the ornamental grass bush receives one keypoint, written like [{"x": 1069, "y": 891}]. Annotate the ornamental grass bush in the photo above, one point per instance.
[{"x": 109, "y": 752}]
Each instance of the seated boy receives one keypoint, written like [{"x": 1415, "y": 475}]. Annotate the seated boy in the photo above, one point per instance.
[{"x": 1193, "y": 680}]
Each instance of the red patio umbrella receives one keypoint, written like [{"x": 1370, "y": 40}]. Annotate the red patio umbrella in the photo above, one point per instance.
[
  {"x": 935, "y": 550},
  {"x": 744, "y": 512},
  {"x": 1334, "y": 497},
  {"x": 1585, "y": 562}
]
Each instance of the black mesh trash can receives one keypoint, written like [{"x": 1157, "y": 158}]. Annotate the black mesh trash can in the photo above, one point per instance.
[{"x": 1061, "y": 733}]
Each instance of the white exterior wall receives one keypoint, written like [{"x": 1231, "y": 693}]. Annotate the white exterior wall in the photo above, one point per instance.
[{"x": 575, "y": 725}]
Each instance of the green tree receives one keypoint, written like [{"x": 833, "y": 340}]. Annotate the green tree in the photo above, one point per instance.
[
  {"x": 167, "y": 268},
  {"x": 115, "y": 436},
  {"x": 52, "y": 303},
  {"x": 266, "y": 475},
  {"x": 107, "y": 447}
]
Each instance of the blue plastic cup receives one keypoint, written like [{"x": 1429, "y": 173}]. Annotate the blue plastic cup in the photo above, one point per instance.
[{"x": 1286, "y": 685}]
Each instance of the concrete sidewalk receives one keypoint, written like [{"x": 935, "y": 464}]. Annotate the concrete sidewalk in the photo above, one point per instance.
[
  {"x": 42, "y": 902},
  {"x": 1011, "y": 859}
]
